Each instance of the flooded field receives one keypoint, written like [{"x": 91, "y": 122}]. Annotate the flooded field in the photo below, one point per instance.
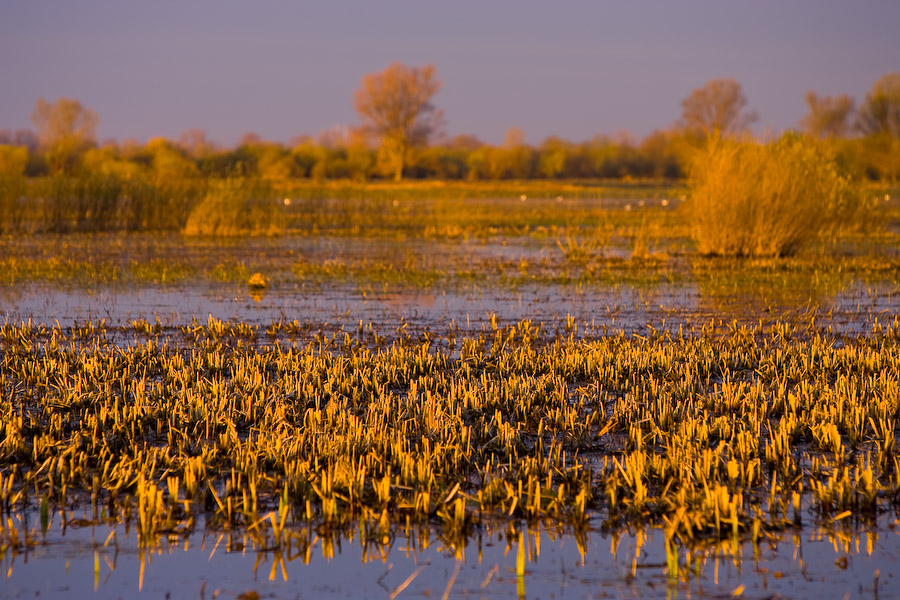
[{"x": 584, "y": 411}]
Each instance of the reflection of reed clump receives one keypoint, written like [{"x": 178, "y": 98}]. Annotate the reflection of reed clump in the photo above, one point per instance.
[
  {"x": 712, "y": 435},
  {"x": 736, "y": 288},
  {"x": 273, "y": 544}
]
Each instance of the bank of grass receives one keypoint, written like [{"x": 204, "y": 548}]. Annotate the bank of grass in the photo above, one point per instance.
[
  {"x": 251, "y": 206},
  {"x": 755, "y": 199},
  {"x": 461, "y": 190},
  {"x": 94, "y": 203},
  {"x": 444, "y": 210},
  {"x": 466, "y": 210}
]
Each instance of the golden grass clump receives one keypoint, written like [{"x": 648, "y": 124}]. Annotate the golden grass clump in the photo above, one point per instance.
[
  {"x": 236, "y": 207},
  {"x": 752, "y": 199}
]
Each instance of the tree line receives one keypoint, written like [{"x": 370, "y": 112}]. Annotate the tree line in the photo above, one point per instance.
[{"x": 400, "y": 136}]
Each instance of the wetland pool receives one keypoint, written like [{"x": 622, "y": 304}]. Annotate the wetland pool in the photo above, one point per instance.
[{"x": 89, "y": 558}]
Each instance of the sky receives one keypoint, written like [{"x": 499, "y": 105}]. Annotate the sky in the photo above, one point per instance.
[{"x": 571, "y": 68}]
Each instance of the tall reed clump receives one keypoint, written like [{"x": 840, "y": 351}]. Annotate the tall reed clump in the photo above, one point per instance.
[
  {"x": 91, "y": 202},
  {"x": 12, "y": 186},
  {"x": 236, "y": 207},
  {"x": 159, "y": 203},
  {"x": 762, "y": 200},
  {"x": 80, "y": 203},
  {"x": 12, "y": 193}
]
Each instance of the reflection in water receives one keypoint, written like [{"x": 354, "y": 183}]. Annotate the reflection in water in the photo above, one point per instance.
[
  {"x": 72, "y": 557},
  {"x": 758, "y": 290}
]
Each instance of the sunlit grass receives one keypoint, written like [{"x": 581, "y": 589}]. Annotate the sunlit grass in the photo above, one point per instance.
[{"x": 716, "y": 433}]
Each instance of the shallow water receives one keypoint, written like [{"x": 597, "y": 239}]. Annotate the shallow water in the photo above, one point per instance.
[
  {"x": 100, "y": 561},
  {"x": 427, "y": 282},
  {"x": 594, "y": 309},
  {"x": 342, "y": 304}
]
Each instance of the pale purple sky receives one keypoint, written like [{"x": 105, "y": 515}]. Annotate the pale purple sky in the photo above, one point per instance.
[{"x": 567, "y": 68}]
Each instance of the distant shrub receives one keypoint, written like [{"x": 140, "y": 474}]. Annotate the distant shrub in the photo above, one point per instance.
[
  {"x": 752, "y": 199},
  {"x": 236, "y": 207}
]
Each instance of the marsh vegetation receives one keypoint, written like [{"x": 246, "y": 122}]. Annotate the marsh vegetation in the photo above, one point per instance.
[
  {"x": 719, "y": 434},
  {"x": 702, "y": 408}
]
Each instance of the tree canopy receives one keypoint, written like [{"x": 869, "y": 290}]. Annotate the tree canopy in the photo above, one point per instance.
[
  {"x": 64, "y": 128},
  {"x": 399, "y": 139},
  {"x": 880, "y": 111},
  {"x": 828, "y": 116},
  {"x": 395, "y": 105},
  {"x": 716, "y": 108}
]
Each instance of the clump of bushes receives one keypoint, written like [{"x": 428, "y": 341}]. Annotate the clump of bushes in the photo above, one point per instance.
[
  {"x": 763, "y": 200},
  {"x": 236, "y": 207}
]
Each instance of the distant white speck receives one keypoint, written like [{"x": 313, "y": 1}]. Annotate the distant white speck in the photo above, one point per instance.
[
  {"x": 640, "y": 202},
  {"x": 628, "y": 207},
  {"x": 396, "y": 203},
  {"x": 523, "y": 197},
  {"x": 664, "y": 201},
  {"x": 287, "y": 201}
]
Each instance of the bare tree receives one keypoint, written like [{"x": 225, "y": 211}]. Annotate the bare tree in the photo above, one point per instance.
[
  {"x": 880, "y": 111},
  {"x": 716, "y": 108},
  {"x": 64, "y": 129},
  {"x": 829, "y": 116},
  {"x": 395, "y": 105}
]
